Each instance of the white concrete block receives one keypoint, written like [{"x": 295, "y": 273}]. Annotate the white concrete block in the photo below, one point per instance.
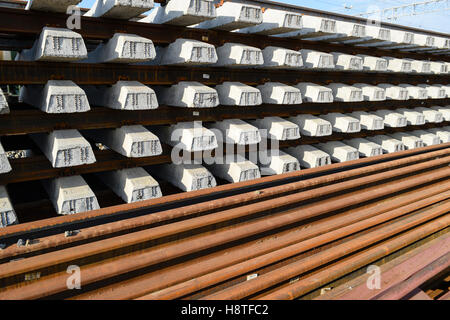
[
  {"x": 399, "y": 40},
  {"x": 434, "y": 91},
  {"x": 447, "y": 90},
  {"x": 342, "y": 123},
  {"x": 279, "y": 93},
  {"x": 365, "y": 147},
  {"x": 188, "y": 94},
  {"x": 409, "y": 141},
  {"x": 398, "y": 65},
  {"x": 232, "y": 16},
  {"x": 276, "y": 22},
  {"x": 312, "y": 92},
  {"x": 187, "y": 52},
  {"x": 119, "y": 9},
  {"x": 420, "y": 66},
  {"x": 130, "y": 141},
  {"x": 238, "y": 94},
  {"x": 280, "y": 58},
  {"x": 234, "y": 168},
  {"x": 376, "y": 34},
  {"x": 368, "y": 121},
  {"x": 182, "y": 12},
  {"x": 312, "y": 126},
  {"x": 429, "y": 139},
  {"x": 338, "y": 151},
  {"x": 346, "y": 93},
  {"x": 373, "y": 63},
  {"x": 391, "y": 118},
  {"x": 132, "y": 185},
  {"x": 309, "y": 156},
  {"x": 65, "y": 148},
  {"x": 277, "y": 128},
  {"x": 55, "y": 44},
  {"x": 431, "y": 115},
  {"x": 4, "y": 107},
  {"x": 437, "y": 67},
  {"x": 238, "y": 55},
  {"x": 57, "y": 96},
  {"x": 444, "y": 110},
  {"x": 388, "y": 143},
  {"x": 51, "y": 5},
  {"x": 236, "y": 131},
  {"x": 442, "y": 43},
  {"x": 124, "y": 95},
  {"x": 123, "y": 48},
  {"x": 187, "y": 177},
  {"x": 4, "y": 163},
  {"x": 71, "y": 195},
  {"x": 413, "y": 117},
  {"x": 317, "y": 60},
  {"x": 371, "y": 93},
  {"x": 7, "y": 214},
  {"x": 189, "y": 136},
  {"x": 313, "y": 27},
  {"x": 345, "y": 61},
  {"x": 443, "y": 134},
  {"x": 347, "y": 32},
  {"x": 273, "y": 162},
  {"x": 415, "y": 92},
  {"x": 394, "y": 92}
]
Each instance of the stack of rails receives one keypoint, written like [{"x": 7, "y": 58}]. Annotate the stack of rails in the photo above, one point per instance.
[{"x": 94, "y": 125}]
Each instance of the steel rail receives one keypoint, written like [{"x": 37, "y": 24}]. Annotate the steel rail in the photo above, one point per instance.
[
  {"x": 394, "y": 271},
  {"x": 146, "y": 221},
  {"x": 153, "y": 256},
  {"x": 196, "y": 268},
  {"x": 235, "y": 270},
  {"x": 39, "y": 167},
  {"x": 265, "y": 188},
  {"x": 355, "y": 262},
  {"x": 296, "y": 268},
  {"x": 24, "y": 72},
  {"x": 404, "y": 288},
  {"x": 33, "y": 121}
]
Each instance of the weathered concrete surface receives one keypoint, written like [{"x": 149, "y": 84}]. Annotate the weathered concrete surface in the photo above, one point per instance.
[
  {"x": 276, "y": 22},
  {"x": 124, "y": 95},
  {"x": 55, "y": 44},
  {"x": 277, "y": 128},
  {"x": 123, "y": 48},
  {"x": 238, "y": 94},
  {"x": 119, "y": 9},
  {"x": 57, "y": 96},
  {"x": 182, "y": 13},
  {"x": 7, "y": 214},
  {"x": 132, "y": 185},
  {"x": 309, "y": 156},
  {"x": 189, "y": 136},
  {"x": 279, "y": 93},
  {"x": 64, "y": 148},
  {"x": 233, "y": 16},
  {"x": 365, "y": 147},
  {"x": 312, "y": 126},
  {"x": 130, "y": 141},
  {"x": 188, "y": 94},
  {"x": 71, "y": 195},
  {"x": 51, "y": 5}
]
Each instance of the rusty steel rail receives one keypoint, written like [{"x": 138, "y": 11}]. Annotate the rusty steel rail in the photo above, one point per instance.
[
  {"x": 24, "y": 72},
  {"x": 223, "y": 196},
  {"x": 38, "y": 167},
  {"x": 28, "y": 24},
  {"x": 152, "y": 256},
  {"x": 394, "y": 272},
  {"x": 20, "y": 121}
]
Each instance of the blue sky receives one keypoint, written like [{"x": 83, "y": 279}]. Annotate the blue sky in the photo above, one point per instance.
[{"x": 432, "y": 21}]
